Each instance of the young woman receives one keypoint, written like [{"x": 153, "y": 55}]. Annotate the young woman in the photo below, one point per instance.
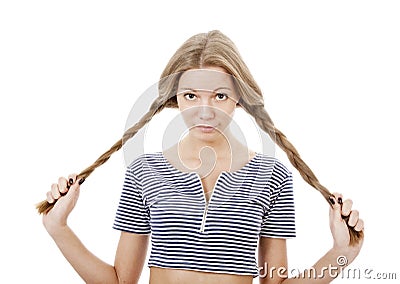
[{"x": 208, "y": 201}]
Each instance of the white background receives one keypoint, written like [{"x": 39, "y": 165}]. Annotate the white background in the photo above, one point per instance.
[{"x": 70, "y": 71}]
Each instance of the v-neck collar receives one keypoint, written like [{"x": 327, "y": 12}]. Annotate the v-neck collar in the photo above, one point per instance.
[
  {"x": 242, "y": 169},
  {"x": 236, "y": 178}
]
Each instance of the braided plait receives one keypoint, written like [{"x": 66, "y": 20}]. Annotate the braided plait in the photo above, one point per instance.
[
  {"x": 264, "y": 121},
  {"x": 156, "y": 106}
]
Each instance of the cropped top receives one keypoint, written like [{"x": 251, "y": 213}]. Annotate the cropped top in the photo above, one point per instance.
[{"x": 218, "y": 236}]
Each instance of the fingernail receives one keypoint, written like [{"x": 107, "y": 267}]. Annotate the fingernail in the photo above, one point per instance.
[
  {"x": 71, "y": 181},
  {"x": 332, "y": 200},
  {"x": 340, "y": 201}
]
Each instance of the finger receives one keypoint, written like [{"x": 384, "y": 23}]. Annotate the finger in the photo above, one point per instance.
[
  {"x": 72, "y": 179},
  {"x": 54, "y": 191},
  {"x": 73, "y": 191},
  {"x": 353, "y": 218},
  {"x": 49, "y": 197},
  {"x": 360, "y": 225},
  {"x": 346, "y": 207},
  {"x": 62, "y": 185},
  {"x": 335, "y": 209},
  {"x": 338, "y": 197}
]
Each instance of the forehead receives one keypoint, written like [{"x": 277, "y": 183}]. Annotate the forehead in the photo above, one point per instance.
[{"x": 206, "y": 79}]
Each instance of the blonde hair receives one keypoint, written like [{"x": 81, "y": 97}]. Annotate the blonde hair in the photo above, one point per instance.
[{"x": 214, "y": 49}]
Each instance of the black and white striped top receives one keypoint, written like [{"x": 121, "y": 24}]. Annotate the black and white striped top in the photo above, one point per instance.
[{"x": 220, "y": 236}]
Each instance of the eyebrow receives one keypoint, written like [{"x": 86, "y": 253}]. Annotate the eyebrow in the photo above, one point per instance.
[{"x": 191, "y": 89}]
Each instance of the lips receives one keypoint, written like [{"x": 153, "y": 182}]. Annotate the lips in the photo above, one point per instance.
[{"x": 205, "y": 128}]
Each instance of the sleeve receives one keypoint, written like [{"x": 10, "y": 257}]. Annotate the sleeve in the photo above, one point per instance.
[
  {"x": 279, "y": 219},
  {"x": 132, "y": 215}
]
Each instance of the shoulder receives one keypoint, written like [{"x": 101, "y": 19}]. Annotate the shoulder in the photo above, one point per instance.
[
  {"x": 272, "y": 168},
  {"x": 147, "y": 162},
  {"x": 269, "y": 161},
  {"x": 146, "y": 159}
]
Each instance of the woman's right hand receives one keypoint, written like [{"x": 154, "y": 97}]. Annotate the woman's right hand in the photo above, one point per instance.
[{"x": 65, "y": 193}]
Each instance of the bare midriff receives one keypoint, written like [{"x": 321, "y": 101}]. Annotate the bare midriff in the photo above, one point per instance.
[{"x": 173, "y": 276}]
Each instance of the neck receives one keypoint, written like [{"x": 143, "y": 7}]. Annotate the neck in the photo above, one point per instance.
[
  {"x": 222, "y": 146},
  {"x": 192, "y": 153}
]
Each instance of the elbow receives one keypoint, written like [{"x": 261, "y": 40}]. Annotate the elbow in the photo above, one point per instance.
[
  {"x": 121, "y": 278},
  {"x": 111, "y": 277}
]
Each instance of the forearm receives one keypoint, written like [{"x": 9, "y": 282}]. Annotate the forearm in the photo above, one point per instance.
[
  {"x": 89, "y": 267},
  {"x": 324, "y": 270}
]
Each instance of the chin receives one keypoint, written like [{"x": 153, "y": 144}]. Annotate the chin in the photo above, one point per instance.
[{"x": 206, "y": 135}]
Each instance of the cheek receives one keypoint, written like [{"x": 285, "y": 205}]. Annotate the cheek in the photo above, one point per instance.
[
  {"x": 179, "y": 102},
  {"x": 188, "y": 114},
  {"x": 225, "y": 115},
  {"x": 184, "y": 104},
  {"x": 229, "y": 109}
]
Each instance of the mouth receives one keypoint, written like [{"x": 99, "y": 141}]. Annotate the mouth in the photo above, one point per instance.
[{"x": 205, "y": 128}]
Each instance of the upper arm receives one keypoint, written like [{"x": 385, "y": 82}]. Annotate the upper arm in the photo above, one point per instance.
[
  {"x": 272, "y": 260},
  {"x": 130, "y": 256},
  {"x": 279, "y": 216},
  {"x": 278, "y": 224}
]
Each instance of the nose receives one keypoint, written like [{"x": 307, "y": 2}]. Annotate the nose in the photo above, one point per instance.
[{"x": 206, "y": 112}]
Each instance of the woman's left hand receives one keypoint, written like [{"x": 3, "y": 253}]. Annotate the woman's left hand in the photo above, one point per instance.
[{"x": 339, "y": 228}]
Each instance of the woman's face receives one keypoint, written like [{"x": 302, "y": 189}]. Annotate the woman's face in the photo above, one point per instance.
[{"x": 207, "y": 100}]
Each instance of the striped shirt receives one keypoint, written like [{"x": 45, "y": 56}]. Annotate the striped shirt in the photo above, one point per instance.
[{"x": 220, "y": 235}]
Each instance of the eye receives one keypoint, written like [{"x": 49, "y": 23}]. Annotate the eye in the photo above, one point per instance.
[
  {"x": 221, "y": 97},
  {"x": 190, "y": 96}
]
